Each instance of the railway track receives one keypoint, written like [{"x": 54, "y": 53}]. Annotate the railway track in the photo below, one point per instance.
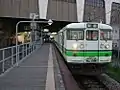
[{"x": 90, "y": 83}]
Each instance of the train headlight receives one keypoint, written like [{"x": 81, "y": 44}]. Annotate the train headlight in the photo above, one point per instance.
[
  {"x": 107, "y": 46},
  {"x": 75, "y": 46}
]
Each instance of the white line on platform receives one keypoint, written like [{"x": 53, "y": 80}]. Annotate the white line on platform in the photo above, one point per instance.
[{"x": 50, "y": 82}]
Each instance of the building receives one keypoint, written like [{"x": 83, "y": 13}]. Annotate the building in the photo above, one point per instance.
[
  {"x": 66, "y": 10},
  {"x": 72, "y": 10}
]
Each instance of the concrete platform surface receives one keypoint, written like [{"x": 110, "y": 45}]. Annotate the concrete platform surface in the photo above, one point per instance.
[{"x": 34, "y": 73}]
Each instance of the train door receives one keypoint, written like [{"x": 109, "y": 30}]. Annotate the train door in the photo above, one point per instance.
[{"x": 91, "y": 45}]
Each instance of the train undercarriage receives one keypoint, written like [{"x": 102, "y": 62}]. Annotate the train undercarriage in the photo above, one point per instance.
[{"x": 87, "y": 69}]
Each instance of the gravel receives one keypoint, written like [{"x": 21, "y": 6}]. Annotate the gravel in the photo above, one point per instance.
[{"x": 109, "y": 82}]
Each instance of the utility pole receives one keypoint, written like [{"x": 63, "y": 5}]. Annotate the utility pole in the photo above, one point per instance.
[
  {"x": 94, "y": 14},
  {"x": 41, "y": 35},
  {"x": 119, "y": 35},
  {"x": 33, "y": 27},
  {"x": 89, "y": 17},
  {"x": 119, "y": 44}
]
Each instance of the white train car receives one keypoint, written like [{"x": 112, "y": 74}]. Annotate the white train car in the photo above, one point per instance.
[{"x": 86, "y": 47}]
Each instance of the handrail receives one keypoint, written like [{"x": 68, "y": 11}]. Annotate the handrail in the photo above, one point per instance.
[
  {"x": 8, "y": 55},
  {"x": 13, "y": 46}
]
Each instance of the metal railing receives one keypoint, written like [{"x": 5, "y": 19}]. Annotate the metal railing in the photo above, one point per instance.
[{"x": 8, "y": 55}]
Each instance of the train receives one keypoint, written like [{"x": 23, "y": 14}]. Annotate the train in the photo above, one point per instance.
[{"x": 85, "y": 46}]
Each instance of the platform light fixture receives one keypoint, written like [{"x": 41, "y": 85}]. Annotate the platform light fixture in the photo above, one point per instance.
[
  {"x": 50, "y": 22},
  {"x": 46, "y": 30},
  {"x": 54, "y": 33}
]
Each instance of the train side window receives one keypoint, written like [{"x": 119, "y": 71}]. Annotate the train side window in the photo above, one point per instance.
[{"x": 75, "y": 34}]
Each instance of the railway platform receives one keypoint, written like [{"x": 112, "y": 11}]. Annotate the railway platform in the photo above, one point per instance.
[{"x": 39, "y": 71}]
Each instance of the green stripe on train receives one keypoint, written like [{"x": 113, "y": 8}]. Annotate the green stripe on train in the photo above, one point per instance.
[
  {"x": 85, "y": 53},
  {"x": 89, "y": 53}
]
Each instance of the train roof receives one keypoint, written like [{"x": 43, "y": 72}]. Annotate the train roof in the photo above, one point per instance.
[{"x": 83, "y": 25}]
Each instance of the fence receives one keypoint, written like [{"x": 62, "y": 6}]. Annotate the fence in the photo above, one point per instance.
[{"x": 8, "y": 55}]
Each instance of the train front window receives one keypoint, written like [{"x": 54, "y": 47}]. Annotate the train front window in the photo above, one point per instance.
[
  {"x": 105, "y": 35},
  {"x": 75, "y": 35},
  {"x": 91, "y": 35}
]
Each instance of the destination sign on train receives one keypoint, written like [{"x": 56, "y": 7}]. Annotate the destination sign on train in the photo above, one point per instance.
[{"x": 92, "y": 25}]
